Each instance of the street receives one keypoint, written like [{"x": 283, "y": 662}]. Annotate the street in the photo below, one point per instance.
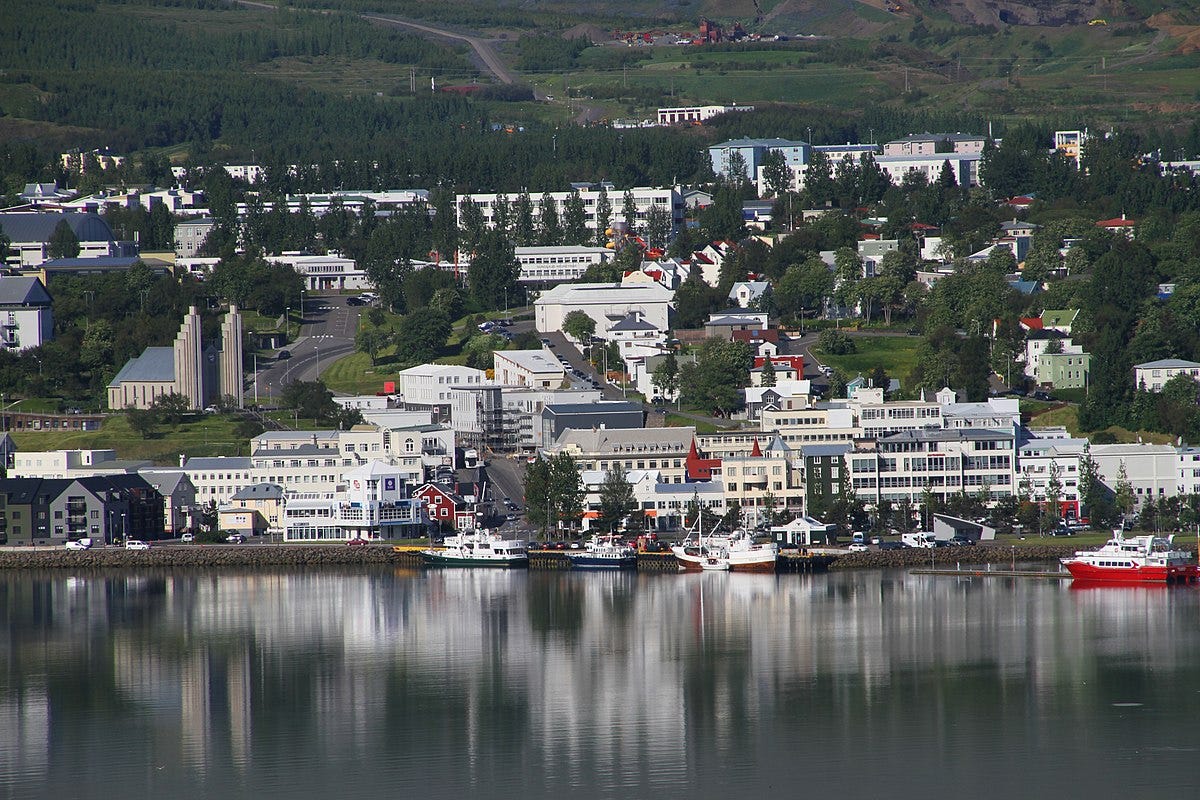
[{"x": 326, "y": 334}]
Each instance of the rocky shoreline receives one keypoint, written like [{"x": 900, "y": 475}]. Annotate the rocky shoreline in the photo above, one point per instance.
[{"x": 340, "y": 555}]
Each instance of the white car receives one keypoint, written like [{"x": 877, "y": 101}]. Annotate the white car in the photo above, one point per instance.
[
  {"x": 858, "y": 547},
  {"x": 188, "y": 537},
  {"x": 80, "y": 544},
  {"x": 135, "y": 544}
]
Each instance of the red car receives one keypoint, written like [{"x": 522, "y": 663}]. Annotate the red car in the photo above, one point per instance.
[{"x": 356, "y": 542}]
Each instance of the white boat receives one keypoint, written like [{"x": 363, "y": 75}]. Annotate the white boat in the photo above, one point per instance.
[
  {"x": 738, "y": 550},
  {"x": 715, "y": 564},
  {"x": 482, "y": 548},
  {"x": 604, "y": 553}
]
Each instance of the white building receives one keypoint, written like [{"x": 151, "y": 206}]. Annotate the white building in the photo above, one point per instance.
[
  {"x": 662, "y": 449},
  {"x": 644, "y": 198},
  {"x": 1152, "y": 375},
  {"x": 429, "y": 385},
  {"x": 29, "y": 234},
  {"x": 1042, "y": 460},
  {"x": 26, "y": 317},
  {"x": 605, "y": 303},
  {"x": 927, "y": 144},
  {"x": 558, "y": 264},
  {"x": 328, "y": 273},
  {"x": 695, "y": 114},
  {"x": 374, "y": 502},
  {"x": 70, "y": 464},
  {"x": 1151, "y": 469},
  {"x": 535, "y": 368}
]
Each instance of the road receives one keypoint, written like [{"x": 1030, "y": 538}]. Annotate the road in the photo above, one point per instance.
[
  {"x": 484, "y": 51},
  {"x": 326, "y": 334}
]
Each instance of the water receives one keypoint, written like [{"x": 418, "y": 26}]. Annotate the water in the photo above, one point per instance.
[{"x": 491, "y": 684}]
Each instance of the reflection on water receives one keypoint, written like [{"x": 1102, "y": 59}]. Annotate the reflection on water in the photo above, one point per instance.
[{"x": 504, "y": 683}]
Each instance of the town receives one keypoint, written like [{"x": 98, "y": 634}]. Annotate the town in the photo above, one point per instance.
[{"x": 639, "y": 359}]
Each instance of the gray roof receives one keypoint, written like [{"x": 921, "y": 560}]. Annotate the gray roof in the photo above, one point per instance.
[
  {"x": 260, "y": 491},
  {"x": 631, "y": 322},
  {"x": 165, "y": 480},
  {"x": 111, "y": 262},
  {"x": 940, "y": 435},
  {"x": 298, "y": 450},
  {"x": 36, "y": 226},
  {"x": 609, "y": 407},
  {"x": 824, "y": 449},
  {"x": 22, "y": 291},
  {"x": 1167, "y": 363},
  {"x": 154, "y": 364}
]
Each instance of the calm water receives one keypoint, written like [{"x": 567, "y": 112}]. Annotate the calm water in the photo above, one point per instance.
[{"x": 461, "y": 683}]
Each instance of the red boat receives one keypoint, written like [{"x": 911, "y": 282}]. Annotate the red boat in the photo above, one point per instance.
[{"x": 1138, "y": 559}]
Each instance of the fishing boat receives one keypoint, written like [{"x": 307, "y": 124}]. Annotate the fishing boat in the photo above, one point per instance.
[
  {"x": 715, "y": 564},
  {"x": 738, "y": 550},
  {"x": 604, "y": 552},
  {"x": 1136, "y": 559},
  {"x": 482, "y": 548}
]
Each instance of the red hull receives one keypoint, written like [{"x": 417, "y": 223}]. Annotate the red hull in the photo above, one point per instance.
[
  {"x": 760, "y": 567},
  {"x": 1093, "y": 574}
]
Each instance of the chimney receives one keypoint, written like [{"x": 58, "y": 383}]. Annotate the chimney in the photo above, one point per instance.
[{"x": 182, "y": 459}]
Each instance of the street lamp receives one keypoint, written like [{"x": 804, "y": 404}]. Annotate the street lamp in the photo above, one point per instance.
[
  {"x": 287, "y": 323},
  {"x": 302, "y": 293}
]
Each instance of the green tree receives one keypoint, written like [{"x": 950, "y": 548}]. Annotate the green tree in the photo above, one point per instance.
[
  {"x": 574, "y": 220},
  {"x": 63, "y": 241},
  {"x": 768, "y": 373},
  {"x": 309, "y": 399},
  {"x": 658, "y": 227},
  {"x": 421, "y": 334},
  {"x": 169, "y": 408},
  {"x": 371, "y": 340},
  {"x": 96, "y": 349},
  {"x": 579, "y": 326},
  {"x": 776, "y": 174},
  {"x": 566, "y": 490},
  {"x": 1125, "y": 499},
  {"x": 141, "y": 421},
  {"x": 604, "y": 211},
  {"x": 665, "y": 378},
  {"x": 550, "y": 232},
  {"x": 537, "y": 496},
  {"x": 478, "y": 351},
  {"x": 715, "y": 381},
  {"x": 616, "y": 499},
  {"x": 492, "y": 276},
  {"x": 629, "y": 212},
  {"x": 523, "y": 227}
]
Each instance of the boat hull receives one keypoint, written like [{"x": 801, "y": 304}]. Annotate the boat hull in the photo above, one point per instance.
[
  {"x": 1083, "y": 571},
  {"x": 691, "y": 560},
  {"x": 439, "y": 560}
]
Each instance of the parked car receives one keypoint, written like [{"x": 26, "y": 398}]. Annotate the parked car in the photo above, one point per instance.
[
  {"x": 79, "y": 544},
  {"x": 858, "y": 547},
  {"x": 1043, "y": 396},
  {"x": 355, "y": 301},
  {"x": 235, "y": 538},
  {"x": 962, "y": 541},
  {"x": 188, "y": 537},
  {"x": 284, "y": 355},
  {"x": 136, "y": 544},
  {"x": 356, "y": 542}
]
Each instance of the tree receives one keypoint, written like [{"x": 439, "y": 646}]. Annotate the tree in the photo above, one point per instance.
[
  {"x": 1054, "y": 490},
  {"x": 537, "y": 495},
  {"x": 658, "y": 226},
  {"x": 776, "y": 174},
  {"x": 63, "y": 241},
  {"x": 421, "y": 334},
  {"x": 1125, "y": 499},
  {"x": 574, "y": 221},
  {"x": 566, "y": 490},
  {"x": 616, "y": 499},
  {"x": 492, "y": 276},
  {"x": 715, "y": 381},
  {"x": 169, "y": 408},
  {"x": 604, "y": 211},
  {"x": 523, "y": 227},
  {"x": 371, "y": 340},
  {"x": 141, "y": 421},
  {"x": 579, "y": 326},
  {"x": 629, "y": 212},
  {"x": 471, "y": 224},
  {"x": 550, "y": 232},
  {"x": 478, "y": 351},
  {"x": 768, "y": 373},
  {"x": 665, "y": 378}
]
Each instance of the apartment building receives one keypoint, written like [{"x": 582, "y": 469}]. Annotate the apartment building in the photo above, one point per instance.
[
  {"x": 662, "y": 449},
  {"x": 374, "y": 502}
]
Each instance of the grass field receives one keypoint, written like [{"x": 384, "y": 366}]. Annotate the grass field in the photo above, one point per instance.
[
  {"x": 896, "y": 354},
  {"x": 207, "y": 435},
  {"x": 1050, "y": 415}
]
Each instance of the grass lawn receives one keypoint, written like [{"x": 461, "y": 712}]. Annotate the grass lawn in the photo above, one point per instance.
[
  {"x": 1050, "y": 415},
  {"x": 353, "y": 374},
  {"x": 896, "y": 354},
  {"x": 206, "y": 435}
]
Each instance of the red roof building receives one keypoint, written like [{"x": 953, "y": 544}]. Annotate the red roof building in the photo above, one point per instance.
[{"x": 698, "y": 467}]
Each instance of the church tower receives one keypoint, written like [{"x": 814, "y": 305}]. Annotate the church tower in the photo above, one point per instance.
[
  {"x": 189, "y": 361},
  {"x": 231, "y": 366}
]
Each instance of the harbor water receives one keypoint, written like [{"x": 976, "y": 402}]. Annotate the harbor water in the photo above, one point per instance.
[{"x": 376, "y": 682}]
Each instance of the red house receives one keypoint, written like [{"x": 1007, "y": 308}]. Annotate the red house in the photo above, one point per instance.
[{"x": 445, "y": 508}]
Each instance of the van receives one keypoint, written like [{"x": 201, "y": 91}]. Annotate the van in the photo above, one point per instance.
[
  {"x": 858, "y": 537},
  {"x": 918, "y": 540}
]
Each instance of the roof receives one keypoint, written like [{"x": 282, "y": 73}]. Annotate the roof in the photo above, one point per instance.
[
  {"x": 938, "y": 137},
  {"x": 1167, "y": 363},
  {"x": 1116, "y": 222},
  {"x": 824, "y": 449},
  {"x": 260, "y": 491},
  {"x": 756, "y": 143},
  {"x": 1051, "y": 318},
  {"x": 948, "y": 435},
  {"x": 531, "y": 360},
  {"x": 613, "y": 440},
  {"x": 165, "y": 480},
  {"x": 37, "y": 226},
  {"x": 299, "y": 450},
  {"x": 631, "y": 322},
  {"x": 99, "y": 262},
  {"x": 22, "y": 291},
  {"x": 760, "y": 334},
  {"x": 595, "y": 407},
  {"x": 155, "y": 364},
  {"x": 607, "y": 293}
]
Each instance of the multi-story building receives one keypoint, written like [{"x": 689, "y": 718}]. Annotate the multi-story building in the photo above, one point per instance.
[
  {"x": 104, "y": 508},
  {"x": 536, "y": 368},
  {"x": 905, "y": 465},
  {"x": 644, "y": 199},
  {"x": 941, "y": 144},
  {"x": 662, "y": 449},
  {"x": 605, "y": 303},
  {"x": 30, "y": 233},
  {"x": 1064, "y": 370},
  {"x": 431, "y": 385},
  {"x": 374, "y": 502},
  {"x": 190, "y": 235},
  {"x": 1152, "y": 375},
  {"x": 254, "y": 509},
  {"x": 823, "y": 470},
  {"x": 558, "y": 264},
  {"x": 765, "y": 479},
  {"x": 1046, "y": 461},
  {"x": 26, "y": 317},
  {"x": 695, "y": 114}
]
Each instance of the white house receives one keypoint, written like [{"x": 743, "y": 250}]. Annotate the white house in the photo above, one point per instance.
[
  {"x": 744, "y": 293},
  {"x": 374, "y": 502},
  {"x": 430, "y": 384},
  {"x": 328, "y": 273},
  {"x": 26, "y": 317},
  {"x": 1152, "y": 375},
  {"x": 605, "y": 303},
  {"x": 558, "y": 264}
]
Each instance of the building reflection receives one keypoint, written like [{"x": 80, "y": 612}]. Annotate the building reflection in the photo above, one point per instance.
[{"x": 631, "y": 680}]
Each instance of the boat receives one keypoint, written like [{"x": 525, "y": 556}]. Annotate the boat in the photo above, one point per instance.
[
  {"x": 482, "y": 548},
  {"x": 738, "y": 549},
  {"x": 603, "y": 552},
  {"x": 1136, "y": 559},
  {"x": 715, "y": 564}
]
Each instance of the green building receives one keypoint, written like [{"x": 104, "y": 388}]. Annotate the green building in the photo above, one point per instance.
[{"x": 1064, "y": 370}]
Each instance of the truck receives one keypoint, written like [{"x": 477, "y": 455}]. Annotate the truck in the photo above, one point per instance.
[{"x": 918, "y": 539}]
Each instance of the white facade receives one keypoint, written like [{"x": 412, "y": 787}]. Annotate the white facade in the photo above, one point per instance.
[
  {"x": 1040, "y": 459},
  {"x": 1152, "y": 469},
  {"x": 662, "y": 449},
  {"x": 558, "y": 264},
  {"x": 1153, "y": 374},
  {"x": 26, "y": 315},
  {"x": 685, "y": 114},
  {"x": 327, "y": 273},
  {"x": 374, "y": 502},
  {"x": 644, "y": 198},
  {"x": 430, "y": 384},
  {"x": 604, "y": 303}
]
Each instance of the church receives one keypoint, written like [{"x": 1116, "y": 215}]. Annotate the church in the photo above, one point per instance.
[{"x": 200, "y": 373}]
